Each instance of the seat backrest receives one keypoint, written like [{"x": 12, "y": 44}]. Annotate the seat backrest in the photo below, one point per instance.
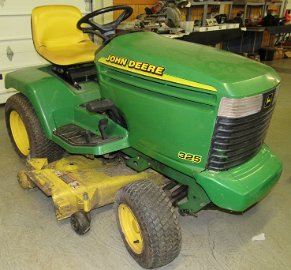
[{"x": 55, "y": 25}]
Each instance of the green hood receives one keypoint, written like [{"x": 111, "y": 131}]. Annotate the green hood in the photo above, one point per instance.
[{"x": 220, "y": 71}]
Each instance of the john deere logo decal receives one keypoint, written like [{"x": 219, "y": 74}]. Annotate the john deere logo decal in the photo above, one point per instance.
[
  {"x": 268, "y": 100},
  {"x": 150, "y": 70},
  {"x": 131, "y": 64}
]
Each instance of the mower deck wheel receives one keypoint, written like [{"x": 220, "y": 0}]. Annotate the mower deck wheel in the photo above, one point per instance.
[
  {"x": 80, "y": 222},
  {"x": 148, "y": 224}
]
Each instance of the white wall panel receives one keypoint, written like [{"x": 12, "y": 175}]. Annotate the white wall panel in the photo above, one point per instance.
[
  {"x": 21, "y": 45},
  {"x": 15, "y": 35},
  {"x": 107, "y": 17},
  {"x": 14, "y": 27},
  {"x": 25, "y": 6}
]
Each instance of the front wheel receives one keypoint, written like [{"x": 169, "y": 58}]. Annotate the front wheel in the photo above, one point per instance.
[
  {"x": 25, "y": 131},
  {"x": 148, "y": 224}
]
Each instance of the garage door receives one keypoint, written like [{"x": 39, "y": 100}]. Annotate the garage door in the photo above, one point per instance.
[{"x": 16, "y": 47}]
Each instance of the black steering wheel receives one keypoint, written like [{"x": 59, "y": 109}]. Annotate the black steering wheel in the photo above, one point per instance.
[{"x": 103, "y": 30}]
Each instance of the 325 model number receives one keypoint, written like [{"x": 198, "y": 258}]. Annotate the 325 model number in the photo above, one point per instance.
[{"x": 189, "y": 157}]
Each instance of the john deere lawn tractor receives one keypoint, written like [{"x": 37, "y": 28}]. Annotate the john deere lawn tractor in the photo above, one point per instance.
[{"x": 188, "y": 120}]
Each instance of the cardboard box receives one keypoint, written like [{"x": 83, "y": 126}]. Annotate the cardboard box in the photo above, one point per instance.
[{"x": 279, "y": 54}]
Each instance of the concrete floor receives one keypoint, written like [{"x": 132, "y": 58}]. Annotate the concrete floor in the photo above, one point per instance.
[{"x": 31, "y": 238}]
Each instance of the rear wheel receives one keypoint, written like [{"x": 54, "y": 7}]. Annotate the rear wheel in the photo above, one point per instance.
[
  {"x": 148, "y": 224},
  {"x": 25, "y": 131}
]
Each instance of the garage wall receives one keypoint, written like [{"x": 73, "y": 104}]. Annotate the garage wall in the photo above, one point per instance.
[
  {"x": 16, "y": 47},
  {"x": 104, "y": 3}
]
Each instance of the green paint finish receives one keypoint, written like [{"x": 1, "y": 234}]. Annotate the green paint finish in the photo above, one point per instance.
[
  {"x": 197, "y": 197},
  {"x": 53, "y": 99},
  {"x": 139, "y": 163},
  {"x": 165, "y": 116},
  {"x": 236, "y": 189},
  {"x": 240, "y": 187},
  {"x": 232, "y": 75},
  {"x": 102, "y": 149},
  {"x": 161, "y": 125},
  {"x": 57, "y": 103}
]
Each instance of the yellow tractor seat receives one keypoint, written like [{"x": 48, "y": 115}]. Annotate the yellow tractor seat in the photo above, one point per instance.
[{"x": 56, "y": 37}]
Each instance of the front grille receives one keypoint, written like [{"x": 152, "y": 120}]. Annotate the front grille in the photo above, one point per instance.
[{"x": 236, "y": 140}]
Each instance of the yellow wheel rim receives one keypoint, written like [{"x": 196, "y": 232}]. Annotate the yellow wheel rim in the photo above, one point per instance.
[
  {"x": 130, "y": 228},
  {"x": 19, "y": 133}
]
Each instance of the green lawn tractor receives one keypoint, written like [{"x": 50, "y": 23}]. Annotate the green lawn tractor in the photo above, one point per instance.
[{"x": 185, "y": 123}]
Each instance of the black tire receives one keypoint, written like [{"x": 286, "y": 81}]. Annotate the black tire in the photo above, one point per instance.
[
  {"x": 39, "y": 145},
  {"x": 80, "y": 222},
  {"x": 157, "y": 220}
]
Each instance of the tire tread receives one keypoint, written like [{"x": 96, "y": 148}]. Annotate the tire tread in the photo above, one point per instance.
[
  {"x": 40, "y": 146},
  {"x": 158, "y": 221}
]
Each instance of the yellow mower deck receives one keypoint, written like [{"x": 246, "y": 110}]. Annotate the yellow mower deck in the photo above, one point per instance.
[{"x": 76, "y": 183}]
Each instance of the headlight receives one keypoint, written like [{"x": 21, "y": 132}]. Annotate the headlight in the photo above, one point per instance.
[{"x": 236, "y": 108}]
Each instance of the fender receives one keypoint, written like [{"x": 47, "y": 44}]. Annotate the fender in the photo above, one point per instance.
[{"x": 53, "y": 100}]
